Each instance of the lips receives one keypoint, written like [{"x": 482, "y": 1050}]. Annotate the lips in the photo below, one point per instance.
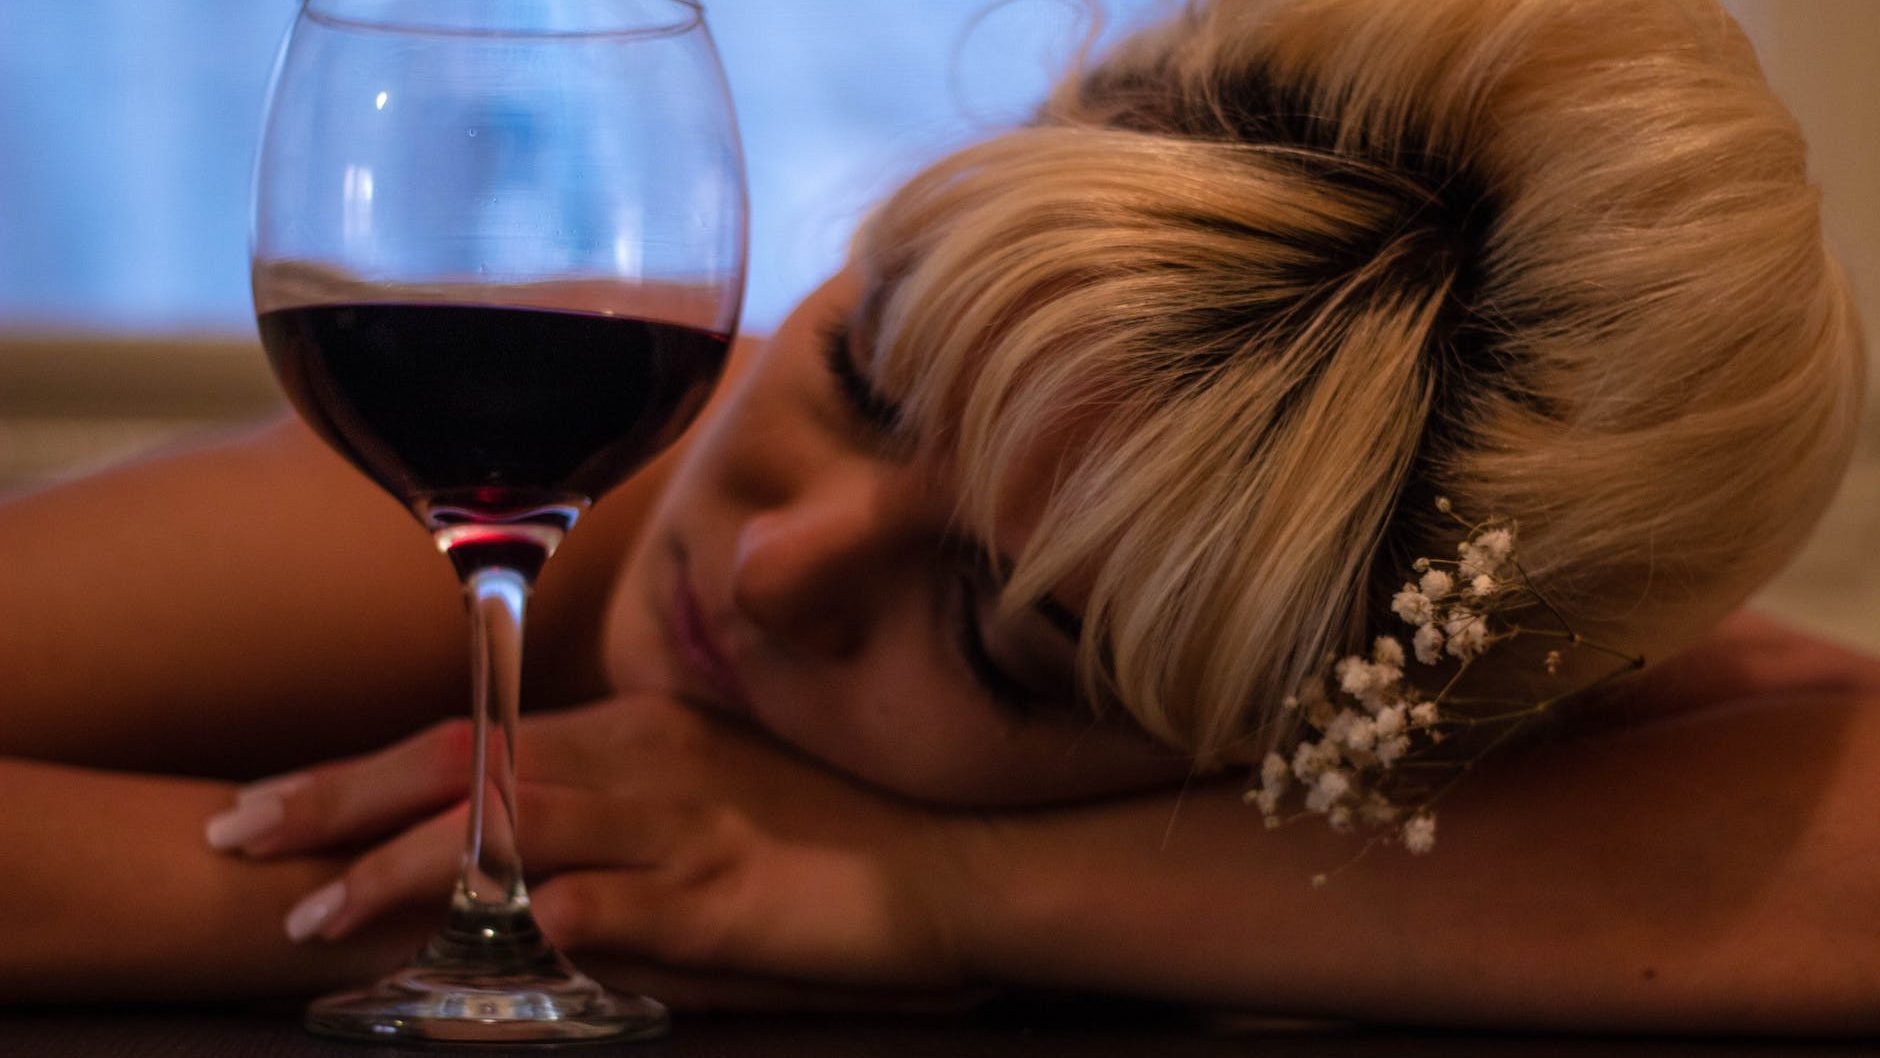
[{"x": 699, "y": 650}]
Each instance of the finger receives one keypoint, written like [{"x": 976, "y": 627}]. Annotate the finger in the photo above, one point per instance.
[
  {"x": 420, "y": 864},
  {"x": 349, "y": 801},
  {"x": 616, "y": 743},
  {"x": 557, "y": 828},
  {"x": 650, "y": 913},
  {"x": 561, "y": 828}
]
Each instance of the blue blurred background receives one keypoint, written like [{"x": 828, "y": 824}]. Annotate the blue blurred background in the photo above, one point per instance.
[
  {"x": 128, "y": 128},
  {"x": 127, "y": 131}
]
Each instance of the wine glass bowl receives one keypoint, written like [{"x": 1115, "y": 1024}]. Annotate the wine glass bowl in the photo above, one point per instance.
[{"x": 498, "y": 252}]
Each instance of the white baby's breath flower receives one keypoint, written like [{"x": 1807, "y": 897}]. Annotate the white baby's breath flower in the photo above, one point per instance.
[
  {"x": 1470, "y": 562},
  {"x": 1275, "y": 772},
  {"x": 1390, "y": 750},
  {"x": 1358, "y": 717},
  {"x": 1389, "y": 722},
  {"x": 1354, "y": 675},
  {"x": 1467, "y": 634},
  {"x": 1331, "y": 785},
  {"x": 1377, "y": 810},
  {"x": 1485, "y": 552},
  {"x": 1443, "y": 504},
  {"x": 1358, "y": 734},
  {"x": 1429, "y": 644},
  {"x": 1334, "y": 731},
  {"x": 1385, "y": 692},
  {"x": 1437, "y": 583},
  {"x": 1268, "y": 799},
  {"x": 1313, "y": 758},
  {"x": 1369, "y": 682},
  {"x": 1496, "y": 544},
  {"x": 1305, "y": 761},
  {"x": 1413, "y": 606}
]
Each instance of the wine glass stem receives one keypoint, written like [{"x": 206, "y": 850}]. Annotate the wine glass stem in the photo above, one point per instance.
[{"x": 491, "y": 881}]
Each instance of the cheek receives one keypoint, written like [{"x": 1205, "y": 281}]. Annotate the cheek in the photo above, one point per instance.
[
  {"x": 909, "y": 732},
  {"x": 889, "y": 716},
  {"x": 908, "y": 746},
  {"x": 749, "y": 439},
  {"x": 634, "y": 653}
]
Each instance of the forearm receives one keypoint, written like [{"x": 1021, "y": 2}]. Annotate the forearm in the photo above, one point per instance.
[
  {"x": 1711, "y": 874},
  {"x": 252, "y": 588},
  {"x": 252, "y": 605},
  {"x": 114, "y": 896}
]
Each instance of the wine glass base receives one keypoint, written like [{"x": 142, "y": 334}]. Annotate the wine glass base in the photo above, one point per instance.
[
  {"x": 487, "y": 977},
  {"x": 420, "y": 1004}
]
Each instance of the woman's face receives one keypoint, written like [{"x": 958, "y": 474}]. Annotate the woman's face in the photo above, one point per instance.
[{"x": 801, "y": 573}]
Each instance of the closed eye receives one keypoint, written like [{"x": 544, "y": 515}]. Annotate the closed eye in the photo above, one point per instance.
[
  {"x": 1002, "y": 687},
  {"x": 881, "y": 414}
]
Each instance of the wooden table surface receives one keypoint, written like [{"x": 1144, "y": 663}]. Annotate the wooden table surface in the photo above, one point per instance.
[{"x": 1081, "y": 1031}]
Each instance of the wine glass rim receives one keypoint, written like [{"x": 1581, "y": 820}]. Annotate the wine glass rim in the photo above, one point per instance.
[{"x": 689, "y": 15}]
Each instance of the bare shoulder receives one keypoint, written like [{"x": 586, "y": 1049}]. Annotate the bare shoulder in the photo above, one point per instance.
[{"x": 1749, "y": 658}]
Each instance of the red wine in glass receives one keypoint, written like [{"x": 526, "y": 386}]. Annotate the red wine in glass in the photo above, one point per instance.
[{"x": 495, "y": 424}]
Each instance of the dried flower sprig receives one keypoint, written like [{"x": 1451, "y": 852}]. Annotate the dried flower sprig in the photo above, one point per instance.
[{"x": 1363, "y": 728}]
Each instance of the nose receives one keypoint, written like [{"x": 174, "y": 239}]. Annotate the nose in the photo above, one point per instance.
[{"x": 810, "y": 571}]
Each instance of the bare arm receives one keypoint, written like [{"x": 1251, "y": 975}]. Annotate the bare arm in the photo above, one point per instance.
[
  {"x": 114, "y": 896},
  {"x": 230, "y": 610},
  {"x": 250, "y": 605},
  {"x": 1710, "y": 873},
  {"x": 223, "y": 610}
]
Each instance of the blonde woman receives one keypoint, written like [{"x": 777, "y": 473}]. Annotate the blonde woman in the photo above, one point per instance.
[{"x": 937, "y": 656}]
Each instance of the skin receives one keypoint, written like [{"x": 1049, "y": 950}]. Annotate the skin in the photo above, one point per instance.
[
  {"x": 730, "y": 845},
  {"x": 859, "y": 825},
  {"x": 826, "y": 574}
]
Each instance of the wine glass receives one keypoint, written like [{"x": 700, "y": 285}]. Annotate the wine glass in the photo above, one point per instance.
[{"x": 498, "y": 253}]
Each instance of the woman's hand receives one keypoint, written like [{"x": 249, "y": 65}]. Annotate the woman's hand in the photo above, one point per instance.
[{"x": 657, "y": 834}]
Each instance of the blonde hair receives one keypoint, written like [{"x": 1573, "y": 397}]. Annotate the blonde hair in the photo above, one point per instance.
[{"x": 1271, "y": 276}]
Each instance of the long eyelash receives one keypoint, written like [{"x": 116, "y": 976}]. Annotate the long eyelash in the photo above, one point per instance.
[
  {"x": 880, "y": 413},
  {"x": 1003, "y": 689}
]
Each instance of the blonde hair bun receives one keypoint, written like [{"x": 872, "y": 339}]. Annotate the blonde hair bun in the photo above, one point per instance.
[{"x": 1284, "y": 272}]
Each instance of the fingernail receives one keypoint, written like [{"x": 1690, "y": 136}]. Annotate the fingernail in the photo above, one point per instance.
[
  {"x": 250, "y": 818},
  {"x": 315, "y": 911},
  {"x": 280, "y": 787}
]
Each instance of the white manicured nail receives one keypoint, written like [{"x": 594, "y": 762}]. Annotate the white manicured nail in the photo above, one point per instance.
[
  {"x": 315, "y": 911},
  {"x": 281, "y": 786},
  {"x": 250, "y": 818}
]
